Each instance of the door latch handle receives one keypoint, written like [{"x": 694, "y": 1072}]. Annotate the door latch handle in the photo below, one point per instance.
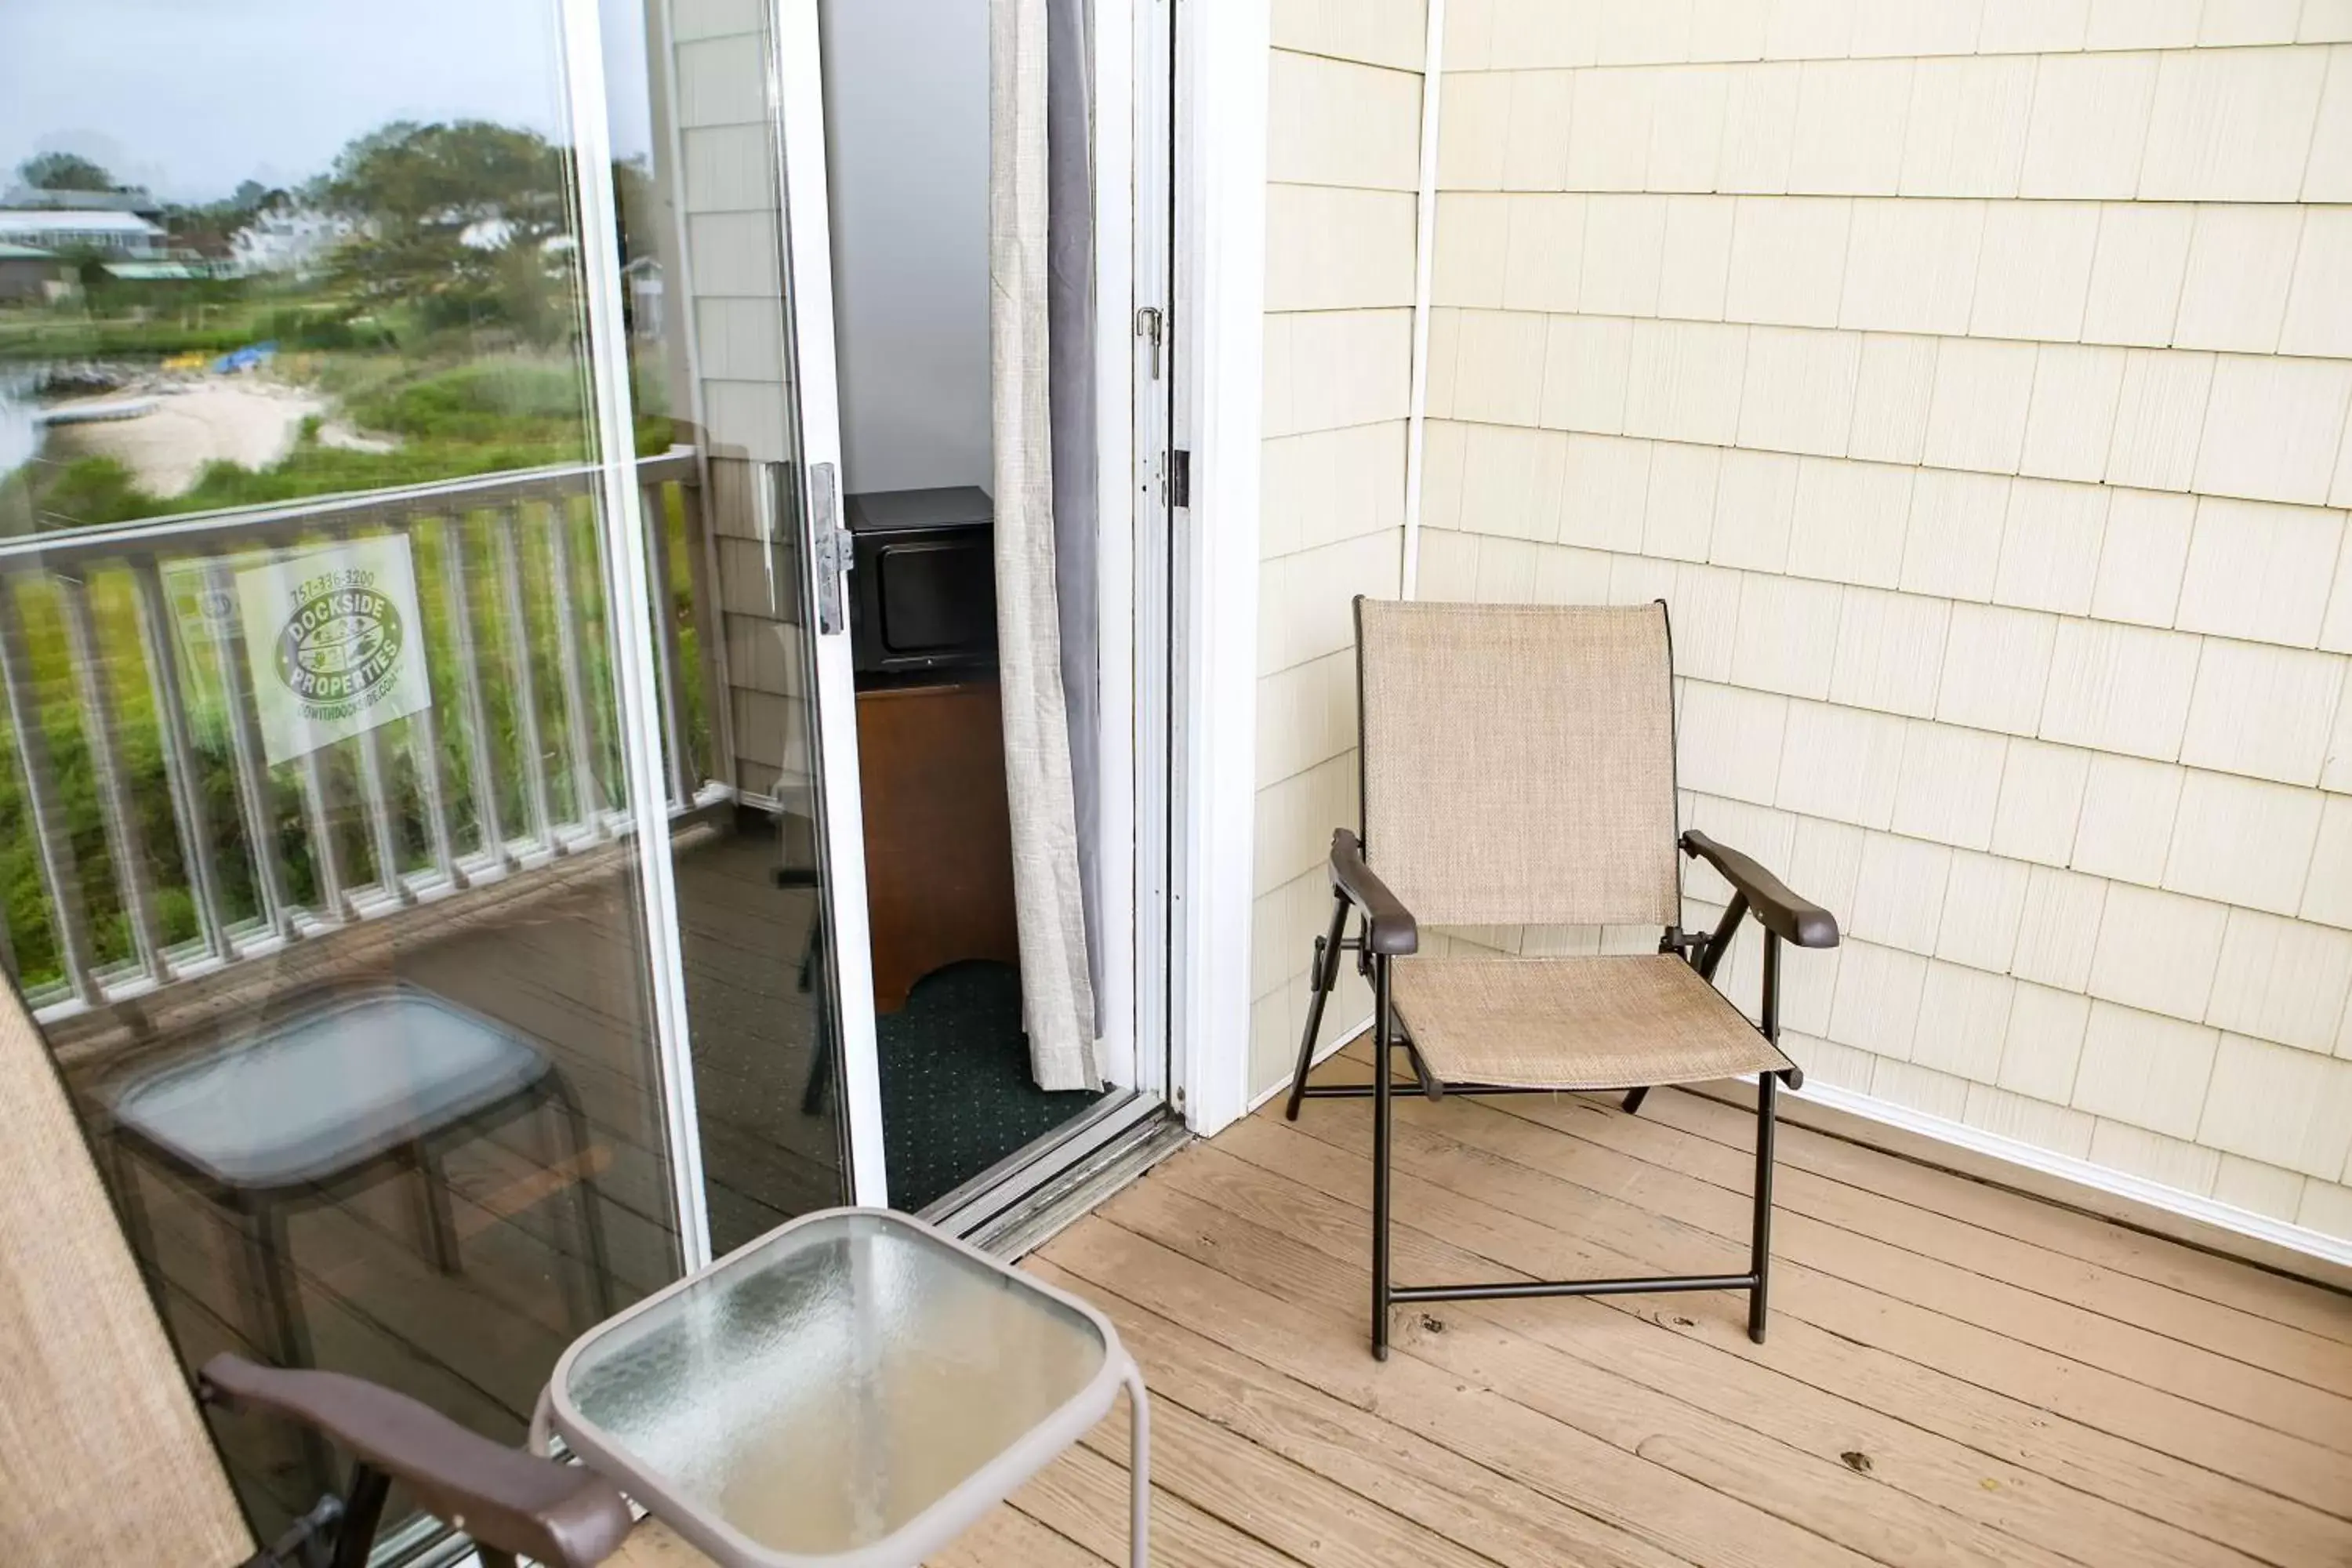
[
  {"x": 1148, "y": 324},
  {"x": 835, "y": 556}
]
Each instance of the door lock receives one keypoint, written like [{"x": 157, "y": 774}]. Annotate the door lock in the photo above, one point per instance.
[{"x": 835, "y": 556}]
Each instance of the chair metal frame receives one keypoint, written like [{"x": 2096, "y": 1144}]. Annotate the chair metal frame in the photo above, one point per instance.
[{"x": 1388, "y": 932}]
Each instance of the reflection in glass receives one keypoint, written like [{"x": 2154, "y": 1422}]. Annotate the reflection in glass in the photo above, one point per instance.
[{"x": 316, "y": 857}]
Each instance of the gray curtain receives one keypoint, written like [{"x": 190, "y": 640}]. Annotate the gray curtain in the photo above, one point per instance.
[{"x": 1048, "y": 681}]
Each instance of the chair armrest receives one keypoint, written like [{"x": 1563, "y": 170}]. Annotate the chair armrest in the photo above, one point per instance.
[
  {"x": 1390, "y": 927},
  {"x": 558, "y": 1514},
  {"x": 1782, "y": 912}
]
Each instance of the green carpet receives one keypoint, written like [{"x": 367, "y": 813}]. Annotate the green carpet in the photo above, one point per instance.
[{"x": 956, "y": 1091}]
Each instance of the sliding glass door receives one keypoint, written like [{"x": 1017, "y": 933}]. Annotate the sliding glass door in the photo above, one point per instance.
[{"x": 427, "y": 804}]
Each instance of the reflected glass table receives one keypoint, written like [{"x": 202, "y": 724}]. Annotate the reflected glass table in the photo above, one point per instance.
[{"x": 851, "y": 1389}]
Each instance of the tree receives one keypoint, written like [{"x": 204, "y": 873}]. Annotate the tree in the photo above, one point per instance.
[
  {"x": 454, "y": 222},
  {"x": 64, "y": 171}
]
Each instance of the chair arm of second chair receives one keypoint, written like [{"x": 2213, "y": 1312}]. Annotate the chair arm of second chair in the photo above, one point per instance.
[
  {"x": 1779, "y": 911},
  {"x": 1390, "y": 928},
  {"x": 512, "y": 1503}
]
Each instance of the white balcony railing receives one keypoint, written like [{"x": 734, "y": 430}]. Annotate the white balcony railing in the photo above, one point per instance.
[{"x": 515, "y": 762}]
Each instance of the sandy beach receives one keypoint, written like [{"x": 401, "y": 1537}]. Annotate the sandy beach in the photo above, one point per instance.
[{"x": 249, "y": 422}]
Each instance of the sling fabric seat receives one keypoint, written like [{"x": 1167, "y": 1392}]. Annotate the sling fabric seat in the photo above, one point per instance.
[
  {"x": 1517, "y": 769},
  {"x": 1574, "y": 1023}
]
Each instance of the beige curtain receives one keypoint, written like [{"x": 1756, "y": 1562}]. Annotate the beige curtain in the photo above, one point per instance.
[{"x": 1057, "y": 994}]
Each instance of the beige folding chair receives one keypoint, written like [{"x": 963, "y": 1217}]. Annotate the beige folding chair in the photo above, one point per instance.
[
  {"x": 1518, "y": 768},
  {"x": 104, "y": 1457}
]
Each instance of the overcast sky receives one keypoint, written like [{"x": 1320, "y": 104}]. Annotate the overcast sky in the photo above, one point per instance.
[{"x": 190, "y": 97}]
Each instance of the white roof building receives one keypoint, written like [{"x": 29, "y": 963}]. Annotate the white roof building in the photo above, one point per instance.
[{"x": 51, "y": 228}]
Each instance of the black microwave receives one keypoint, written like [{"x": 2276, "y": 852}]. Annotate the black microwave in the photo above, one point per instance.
[{"x": 923, "y": 582}]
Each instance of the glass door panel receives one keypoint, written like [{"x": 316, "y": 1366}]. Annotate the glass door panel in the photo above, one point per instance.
[
  {"x": 770, "y": 894},
  {"x": 360, "y": 640}
]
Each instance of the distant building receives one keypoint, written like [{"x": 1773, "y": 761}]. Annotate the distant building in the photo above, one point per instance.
[
  {"x": 132, "y": 199},
  {"x": 287, "y": 239},
  {"x": 122, "y": 234},
  {"x": 30, "y": 275},
  {"x": 189, "y": 271}
]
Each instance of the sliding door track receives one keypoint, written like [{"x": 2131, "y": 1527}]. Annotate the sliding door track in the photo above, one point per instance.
[{"x": 1032, "y": 1192}]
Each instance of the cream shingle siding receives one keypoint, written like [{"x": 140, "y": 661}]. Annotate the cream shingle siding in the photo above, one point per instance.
[
  {"x": 1343, "y": 166},
  {"x": 1972, "y": 376}
]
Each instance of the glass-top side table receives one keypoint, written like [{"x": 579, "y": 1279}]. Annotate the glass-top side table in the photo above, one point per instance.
[{"x": 851, "y": 1389}]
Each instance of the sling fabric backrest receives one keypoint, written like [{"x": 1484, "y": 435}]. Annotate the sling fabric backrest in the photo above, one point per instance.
[
  {"x": 1518, "y": 762},
  {"x": 103, "y": 1457}
]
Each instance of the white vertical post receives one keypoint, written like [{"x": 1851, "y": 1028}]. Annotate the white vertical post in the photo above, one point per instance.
[
  {"x": 52, "y": 836},
  {"x": 1223, "y": 61},
  {"x": 668, "y": 657},
  {"x": 482, "y": 781},
  {"x": 101, "y": 734},
  {"x": 163, "y": 656},
  {"x": 629, "y": 592},
  {"x": 514, "y": 610}
]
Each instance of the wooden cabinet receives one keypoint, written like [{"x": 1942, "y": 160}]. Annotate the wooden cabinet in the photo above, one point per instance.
[{"x": 938, "y": 843}]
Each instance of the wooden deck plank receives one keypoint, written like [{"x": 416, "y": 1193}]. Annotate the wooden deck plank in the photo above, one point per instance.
[
  {"x": 1849, "y": 1286},
  {"x": 1900, "y": 1360},
  {"x": 1718, "y": 1149},
  {"x": 1267, "y": 1243},
  {"x": 1007, "y": 1535},
  {"x": 1481, "y": 1508},
  {"x": 2262, "y": 1399},
  {"x": 1713, "y": 1364},
  {"x": 1639, "y": 1497},
  {"x": 1083, "y": 1497},
  {"x": 2177, "y": 1266},
  {"x": 1272, "y": 1500}
]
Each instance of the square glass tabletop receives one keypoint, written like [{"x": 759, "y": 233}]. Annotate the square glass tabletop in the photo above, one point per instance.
[{"x": 854, "y": 1387}]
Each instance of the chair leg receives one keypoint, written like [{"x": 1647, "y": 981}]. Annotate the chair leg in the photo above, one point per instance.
[
  {"x": 1320, "y": 981},
  {"x": 435, "y": 1220},
  {"x": 1381, "y": 1099},
  {"x": 364, "y": 1501},
  {"x": 819, "y": 1071},
  {"x": 136, "y": 1228},
  {"x": 1768, "y": 1094},
  {"x": 1633, "y": 1101},
  {"x": 276, "y": 1304},
  {"x": 589, "y": 1206}
]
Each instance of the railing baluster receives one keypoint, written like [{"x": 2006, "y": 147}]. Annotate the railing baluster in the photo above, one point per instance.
[
  {"x": 133, "y": 879},
  {"x": 587, "y": 799},
  {"x": 161, "y": 650},
  {"x": 182, "y": 685},
  {"x": 68, "y": 918},
  {"x": 483, "y": 783},
  {"x": 668, "y": 659},
  {"x": 696, "y": 493},
  {"x": 432, "y": 779},
  {"x": 251, "y": 762},
  {"x": 377, "y": 803},
  {"x": 326, "y": 855},
  {"x": 509, "y": 539}
]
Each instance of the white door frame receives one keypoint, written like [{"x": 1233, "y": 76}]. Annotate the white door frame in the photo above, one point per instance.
[
  {"x": 798, "y": 97},
  {"x": 1223, "y": 50}
]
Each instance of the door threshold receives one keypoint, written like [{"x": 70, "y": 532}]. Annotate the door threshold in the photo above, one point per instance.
[
  {"x": 1080, "y": 1189},
  {"x": 998, "y": 1204}
]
